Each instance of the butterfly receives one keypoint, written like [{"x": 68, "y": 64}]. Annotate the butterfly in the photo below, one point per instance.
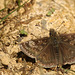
[{"x": 57, "y": 49}]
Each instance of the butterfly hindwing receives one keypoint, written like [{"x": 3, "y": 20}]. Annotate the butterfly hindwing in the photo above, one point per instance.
[
  {"x": 47, "y": 58},
  {"x": 68, "y": 52}
]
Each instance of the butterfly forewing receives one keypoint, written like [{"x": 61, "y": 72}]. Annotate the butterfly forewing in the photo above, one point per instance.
[
  {"x": 33, "y": 47},
  {"x": 69, "y": 38}
]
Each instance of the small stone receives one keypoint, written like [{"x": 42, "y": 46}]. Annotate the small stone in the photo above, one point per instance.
[
  {"x": 1, "y": 4},
  {"x": 4, "y": 58},
  {"x": 43, "y": 22},
  {"x": 21, "y": 10},
  {"x": 72, "y": 67}
]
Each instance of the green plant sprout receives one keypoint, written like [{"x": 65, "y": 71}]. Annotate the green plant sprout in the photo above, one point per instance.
[
  {"x": 23, "y": 32},
  {"x": 50, "y": 12}
]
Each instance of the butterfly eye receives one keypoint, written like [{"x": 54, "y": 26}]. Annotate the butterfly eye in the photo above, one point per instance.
[{"x": 51, "y": 32}]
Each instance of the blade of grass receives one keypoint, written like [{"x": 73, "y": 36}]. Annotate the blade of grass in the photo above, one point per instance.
[
  {"x": 13, "y": 11},
  {"x": 2, "y": 9},
  {"x": 19, "y": 2}
]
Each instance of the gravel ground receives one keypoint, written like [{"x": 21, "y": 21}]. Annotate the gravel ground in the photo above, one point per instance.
[{"x": 36, "y": 18}]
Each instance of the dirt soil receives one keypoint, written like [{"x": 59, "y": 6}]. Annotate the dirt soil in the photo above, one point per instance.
[{"x": 36, "y": 18}]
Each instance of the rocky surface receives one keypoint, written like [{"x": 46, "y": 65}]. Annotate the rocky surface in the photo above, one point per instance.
[{"x": 34, "y": 19}]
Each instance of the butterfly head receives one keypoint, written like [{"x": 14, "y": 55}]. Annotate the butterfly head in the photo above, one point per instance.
[{"x": 52, "y": 34}]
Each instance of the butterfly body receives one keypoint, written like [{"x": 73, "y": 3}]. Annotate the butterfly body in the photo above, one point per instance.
[
  {"x": 55, "y": 41},
  {"x": 50, "y": 51}
]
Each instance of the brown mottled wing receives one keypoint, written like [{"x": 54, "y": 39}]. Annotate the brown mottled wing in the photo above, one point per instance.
[
  {"x": 68, "y": 52},
  {"x": 33, "y": 47},
  {"x": 69, "y": 38},
  {"x": 47, "y": 58},
  {"x": 67, "y": 47},
  {"x": 42, "y": 50}
]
